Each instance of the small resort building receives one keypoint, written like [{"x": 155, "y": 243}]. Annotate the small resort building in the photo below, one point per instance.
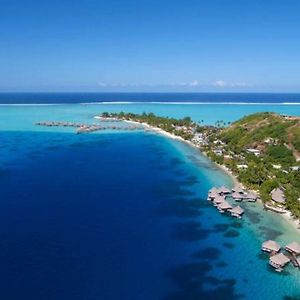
[
  {"x": 237, "y": 211},
  {"x": 278, "y": 261},
  {"x": 270, "y": 246},
  {"x": 237, "y": 196},
  {"x": 219, "y": 199},
  {"x": 242, "y": 166},
  {"x": 256, "y": 152},
  {"x": 218, "y": 152},
  {"x": 293, "y": 248},
  {"x": 295, "y": 168},
  {"x": 223, "y": 190},
  {"x": 252, "y": 197},
  {"x": 278, "y": 196},
  {"x": 224, "y": 205},
  {"x": 238, "y": 189},
  {"x": 212, "y": 194}
]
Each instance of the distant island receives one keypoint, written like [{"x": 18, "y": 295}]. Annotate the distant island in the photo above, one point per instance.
[{"x": 262, "y": 151}]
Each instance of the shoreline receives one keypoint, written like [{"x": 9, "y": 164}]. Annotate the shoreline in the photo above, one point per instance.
[
  {"x": 175, "y": 137},
  {"x": 287, "y": 215}
]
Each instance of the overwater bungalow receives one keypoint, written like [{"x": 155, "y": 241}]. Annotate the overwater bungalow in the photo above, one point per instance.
[
  {"x": 213, "y": 190},
  {"x": 251, "y": 197},
  {"x": 278, "y": 261},
  {"x": 270, "y": 246},
  {"x": 224, "y": 206},
  {"x": 238, "y": 189},
  {"x": 236, "y": 211},
  {"x": 224, "y": 190},
  {"x": 237, "y": 196},
  {"x": 218, "y": 200},
  {"x": 213, "y": 193},
  {"x": 293, "y": 248}
]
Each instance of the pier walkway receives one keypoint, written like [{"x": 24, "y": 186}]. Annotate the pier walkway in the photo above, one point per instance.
[{"x": 86, "y": 128}]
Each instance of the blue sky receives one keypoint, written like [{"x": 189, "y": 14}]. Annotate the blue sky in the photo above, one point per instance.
[{"x": 131, "y": 45}]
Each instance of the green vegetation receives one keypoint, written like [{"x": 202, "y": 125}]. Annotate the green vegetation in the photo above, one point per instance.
[
  {"x": 275, "y": 138},
  {"x": 184, "y": 127},
  {"x": 279, "y": 154},
  {"x": 278, "y": 140}
]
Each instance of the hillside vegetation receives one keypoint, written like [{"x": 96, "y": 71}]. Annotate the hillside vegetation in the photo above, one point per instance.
[
  {"x": 277, "y": 136},
  {"x": 278, "y": 140}
]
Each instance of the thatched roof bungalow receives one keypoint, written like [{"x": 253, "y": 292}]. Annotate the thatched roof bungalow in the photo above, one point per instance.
[
  {"x": 251, "y": 197},
  {"x": 238, "y": 189},
  {"x": 224, "y": 190},
  {"x": 278, "y": 196},
  {"x": 213, "y": 193},
  {"x": 213, "y": 190},
  {"x": 293, "y": 248},
  {"x": 219, "y": 199},
  {"x": 236, "y": 211},
  {"x": 278, "y": 261},
  {"x": 270, "y": 246},
  {"x": 237, "y": 196},
  {"x": 224, "y": 205}
]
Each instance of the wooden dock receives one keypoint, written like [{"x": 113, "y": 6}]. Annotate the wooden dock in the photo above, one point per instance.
[{"x": 86, "y": 128}]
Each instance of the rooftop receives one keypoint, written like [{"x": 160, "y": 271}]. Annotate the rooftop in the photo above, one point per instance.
[
  {"x": 271, "y": 245},
  {"x": 225, "y": 205},
  {"x": 237, "y": 210},
  {"x": 293, "y": 247},
  {"x": 279, "y": 259},
  {"x": 224, "y": 190},
  {"x": 278, "y": 196}
]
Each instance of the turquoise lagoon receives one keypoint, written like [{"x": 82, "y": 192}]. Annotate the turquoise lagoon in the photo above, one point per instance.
[{"x": 124, "y": 215}]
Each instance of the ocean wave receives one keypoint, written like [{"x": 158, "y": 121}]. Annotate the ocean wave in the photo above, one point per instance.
[{"x": 188, "y": 103}]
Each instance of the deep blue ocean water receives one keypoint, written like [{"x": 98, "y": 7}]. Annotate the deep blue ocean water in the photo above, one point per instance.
[
  {"x": 96, "y": 217},
  {"x": 67, "y": 98},
  {"x": 124, "y": 215}
]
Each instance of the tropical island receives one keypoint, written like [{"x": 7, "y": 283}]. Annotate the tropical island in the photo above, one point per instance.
[{"x": 262, "y": 151}]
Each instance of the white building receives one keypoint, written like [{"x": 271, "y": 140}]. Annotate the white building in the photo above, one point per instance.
[
  {"x": 256, "y": 152},
  {"x": 242, "y": 166}
]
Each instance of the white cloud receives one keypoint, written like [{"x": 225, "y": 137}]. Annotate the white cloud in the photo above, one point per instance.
[
  {"x": 223, "y": 84},
  {"x": 194, "y": 83},
  {"x": 191, "y": 83},
  {"x": 220, "y": 83},
  {"x": 102, "y": 84},
  {"x": 240, "y": 84}
]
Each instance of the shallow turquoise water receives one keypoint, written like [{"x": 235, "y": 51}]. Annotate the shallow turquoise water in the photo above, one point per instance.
[
  {"x": 55, "y": 193},
  {"x": 23, "y": 117}
]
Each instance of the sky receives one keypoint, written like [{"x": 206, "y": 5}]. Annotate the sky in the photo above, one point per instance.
[{"x": 150, "y": 45}]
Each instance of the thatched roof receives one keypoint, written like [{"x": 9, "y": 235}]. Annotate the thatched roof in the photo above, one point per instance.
[
  {"x": 293, "y": 247},
  {"x": 225, "y": 205},
  {"x": 237, "y": 210},
  {"x": 236, "y": 195},
  {"x": 224, "y": 190},
  {"x": 271, "y": 245},
  {"x": 219, "y": 199},
  {"x": 252, "y": 195},
  {"x": 278, "y": 196},
  {"x": 213, "y": 190},
  {"x": 213, "y": 194},
  {"x": 279, "y": 259},
  {"x": 238, "y": 189}
]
